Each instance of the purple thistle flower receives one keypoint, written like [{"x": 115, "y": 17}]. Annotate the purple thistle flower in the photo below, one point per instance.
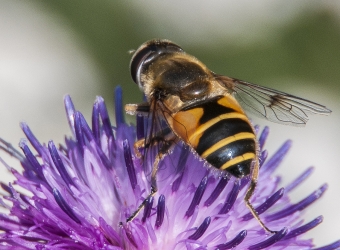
[{"x": 81, "y": 191}]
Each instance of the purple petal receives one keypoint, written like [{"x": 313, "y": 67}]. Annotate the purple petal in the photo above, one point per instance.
[
  {"x": 129, "y": 238},
  {"x": 96, "y": 122},
  {"x": 33, "y": 162},
  {"x": 59, "y": 164},
  {"x": 217, "y": 191},
  {"x": 231, "y": 198},
  {"x": 305, "y": 228},
  {"x": 184, "y": 153},
  {"x": 140, "y": 127},
  {"x": 263, "y": 137},
  {"x": 113, "y": 235},
  {"x": 277, "y": 158},
  {"x": 119, "y": 106},
  {"x": 147, "y": 208},
  {"x": 299, "y": 179},
  {"x": 129, "y": 164},
  {"x": 265, "y": 205},
  {"x": 197, "y": 197},
  {"x": 160, "y": 211},
  {"x": 105, "y": 117},
  {"x": 70, "y": 110},
  {"x": 263, "y": 157},
  {"x": 201, "y": 229},
  {"x": 270, "y": 241},
  {"x": 333, "y": 246},
  {"x": 177, "y": 183},
  {"x": 9, "y": 149},
  {"x": 33, "y": 140},
  {"x": 89, "y": 136},
  {"x": 298, "y": 206},
  {"x": 64, "y": 206},
  {"x": 234, "y": 242},
  {"x": 79, "y": 132}
]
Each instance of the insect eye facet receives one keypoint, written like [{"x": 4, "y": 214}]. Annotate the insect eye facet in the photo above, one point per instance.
[{"x": 146, "y": 53}]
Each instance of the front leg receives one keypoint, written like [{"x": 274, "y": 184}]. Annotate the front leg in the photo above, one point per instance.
[
  {"x": 138, "y": 145},
  {"x": 138, "y": 109},
  {"x": 164, "y": 135},
  {"x": 166, "y": 147}
]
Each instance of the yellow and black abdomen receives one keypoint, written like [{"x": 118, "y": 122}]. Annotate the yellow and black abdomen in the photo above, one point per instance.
[{"x": 220, "y": 133}]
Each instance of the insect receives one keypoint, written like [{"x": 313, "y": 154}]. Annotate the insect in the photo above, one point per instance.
[{"x": 203, "y": 109}]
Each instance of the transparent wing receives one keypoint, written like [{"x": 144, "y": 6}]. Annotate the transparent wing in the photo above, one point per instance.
[
  {"x": 271, "y": 104},
  {"x": 157, "y": 137}
]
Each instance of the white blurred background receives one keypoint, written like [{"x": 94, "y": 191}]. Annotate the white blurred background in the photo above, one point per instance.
[{"x": 50, "y": 48}]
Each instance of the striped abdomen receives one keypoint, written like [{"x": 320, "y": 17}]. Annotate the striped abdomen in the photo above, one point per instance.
[{"x": 220, "y": 133}]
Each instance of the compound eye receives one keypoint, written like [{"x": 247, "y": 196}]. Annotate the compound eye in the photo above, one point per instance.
[
  {"x": 138, "y": 59},
  {"x": 146, "y": 53}
]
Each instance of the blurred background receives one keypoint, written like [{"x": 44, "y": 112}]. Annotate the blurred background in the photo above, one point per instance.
[{"x": 52, "y": 48}]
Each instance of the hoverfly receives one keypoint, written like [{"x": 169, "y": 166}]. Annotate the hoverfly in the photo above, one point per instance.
[{"x": 203, "y": 109}]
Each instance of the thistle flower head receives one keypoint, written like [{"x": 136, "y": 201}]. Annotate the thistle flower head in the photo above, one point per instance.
[{"x": 82, "y": 192}]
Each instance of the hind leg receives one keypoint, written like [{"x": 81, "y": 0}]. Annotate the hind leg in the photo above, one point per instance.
[{"x": 249, "y": 194}]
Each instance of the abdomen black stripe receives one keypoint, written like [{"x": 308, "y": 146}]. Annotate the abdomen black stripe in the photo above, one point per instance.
[
  {"x": 222, "y": 135},
  {"x": 221, "y": 130},
  {"x": 230, "y": 151}
]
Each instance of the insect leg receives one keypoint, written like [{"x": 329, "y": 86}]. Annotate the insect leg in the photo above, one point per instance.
[
  {"x": 137, "y": 145},
  {"x": 138, "y": 109},
  {"x": 166, "y": 146},
  {"x": 164, "y": 135},
  {"x": 249, "y": 194}
]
